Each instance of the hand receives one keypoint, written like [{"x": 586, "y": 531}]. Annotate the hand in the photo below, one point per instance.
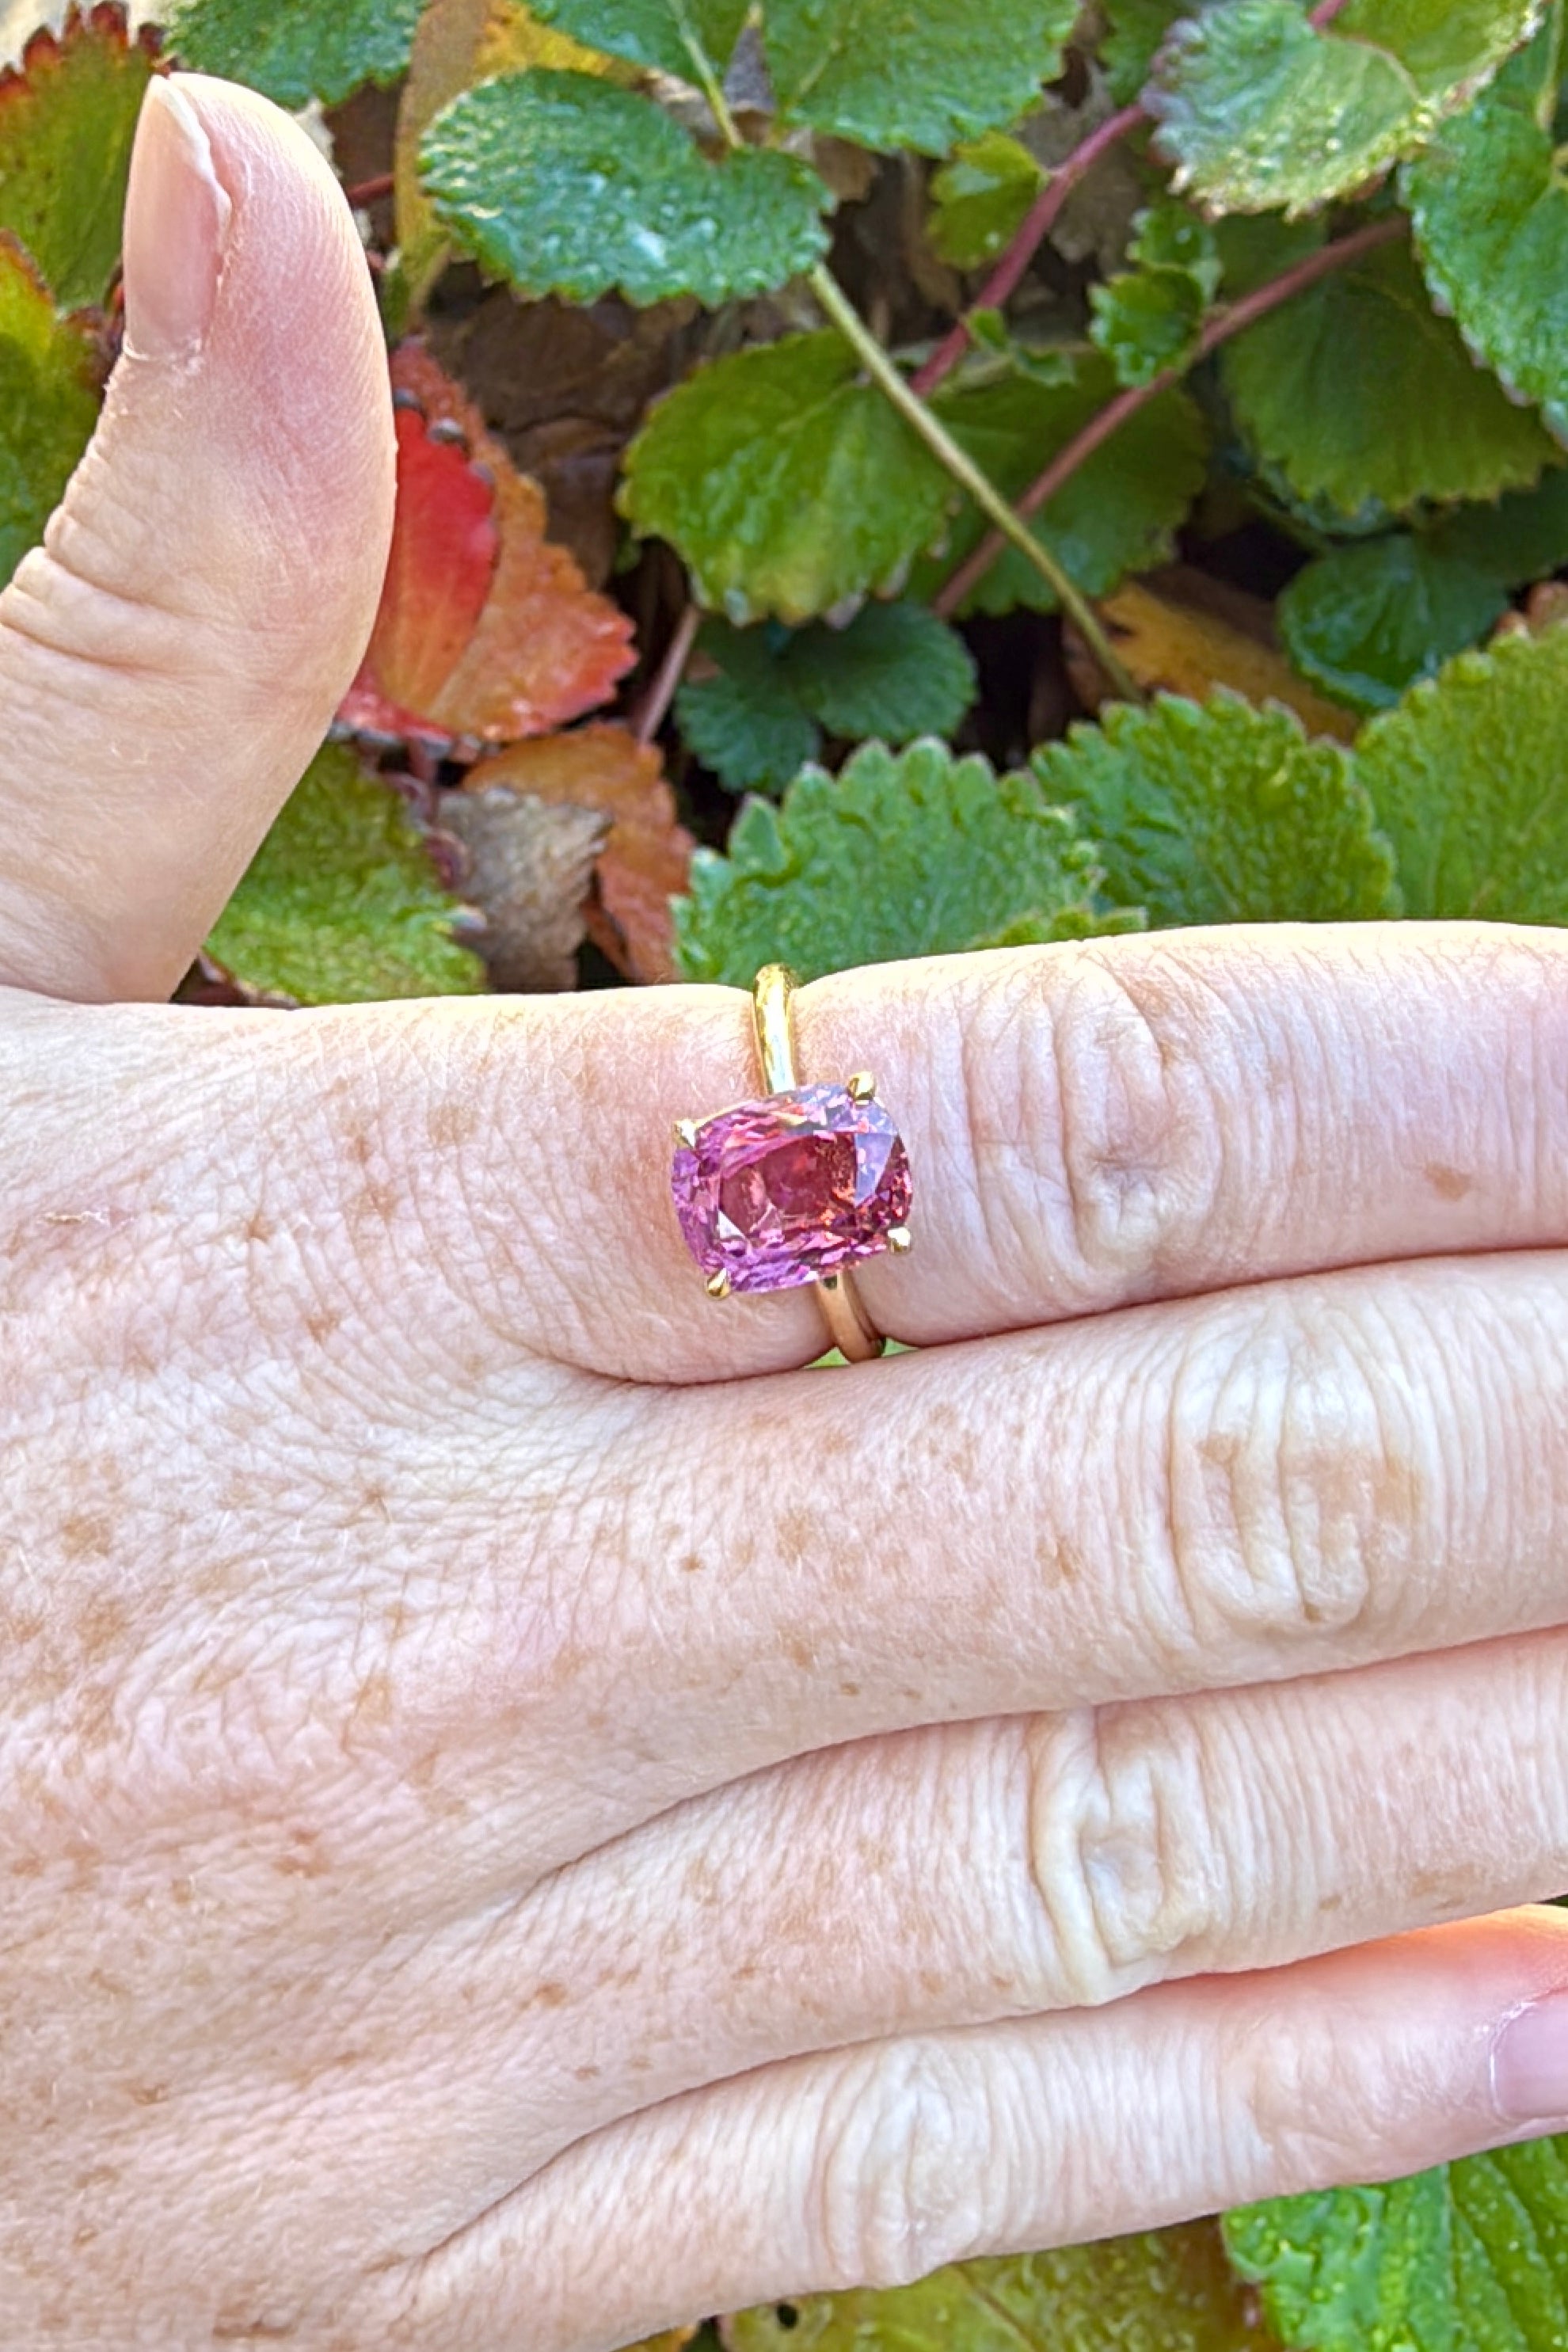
[{"x": 527, "y": 1814}]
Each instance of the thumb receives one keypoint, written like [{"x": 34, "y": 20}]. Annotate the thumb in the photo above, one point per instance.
[{"x": 171, "y": 657}]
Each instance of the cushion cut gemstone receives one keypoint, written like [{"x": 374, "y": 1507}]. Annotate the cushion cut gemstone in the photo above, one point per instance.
[{"x": 788, "y": 1188}]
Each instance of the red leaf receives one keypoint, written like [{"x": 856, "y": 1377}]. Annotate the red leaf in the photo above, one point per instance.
[
  {"x": 643, "y": 864},
  {"x": 486, "y": 630}
]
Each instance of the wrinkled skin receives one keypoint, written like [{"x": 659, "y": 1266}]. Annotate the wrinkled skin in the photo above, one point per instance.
[{"x": 525, "y": 1813}]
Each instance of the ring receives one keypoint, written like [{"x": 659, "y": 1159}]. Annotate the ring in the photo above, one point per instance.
[{"x": 795, "y": 1187}]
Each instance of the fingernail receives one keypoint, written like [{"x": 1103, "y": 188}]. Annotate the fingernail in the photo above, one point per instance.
[
  {"x": 1529, "y": 2062},
  {"x": 177, "y": 224}
]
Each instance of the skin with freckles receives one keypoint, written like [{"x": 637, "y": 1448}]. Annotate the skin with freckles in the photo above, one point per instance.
[{"x": 527, "y": 1814}]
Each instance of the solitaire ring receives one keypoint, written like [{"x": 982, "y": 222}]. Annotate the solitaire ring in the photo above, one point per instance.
[{"x": 796, "y": 1186}]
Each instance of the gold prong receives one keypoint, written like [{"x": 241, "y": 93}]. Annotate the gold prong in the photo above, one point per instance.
[
  {"x": 862, "y": 1087},
  {"x": 900, "y": 1239},
  {"x": 686, "y": 1133},
  {"x": 718, "y": 1285}
]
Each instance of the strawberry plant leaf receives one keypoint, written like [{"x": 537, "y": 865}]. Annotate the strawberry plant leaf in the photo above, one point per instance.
[
  {"x": 979, "y": 199},
  {"x": 1465, "y": 777},
  {"x": 1165, "y": 2291},
  {"x": 1357, "y": 391},
  {"x": 1137, "y": 31},
  {"x": 340, "y": 904},
  {"x": 565, "y": 184},
  {"x": 1436, "y": 2261},
  {"x": 1516, "y": 538},
  {"x": 294, "y": 50},
  {"x": 746, "y": 723},
  {"x": 1259, "y": 111},
  {"x": 1364, "y": 622},
  {"x": 67, "y": 121},
  {"x": 888, "y": 75},
  {"x": 1117, "y": 514},
  {"x": 895, "y": 671},
  {"x": 678, "y": 36},
  {"x": 1221, "y": 814},
  {"x": 900, "y": 854},
  {"x": 1490, "y": 214},
  {"x": 644, "y": 858},
  {"x": 49, "y": 380},
  {"x": 486, "y": 628},
  {"x": 1145, "y": 320},
  {"x": 785, "y": 482}
]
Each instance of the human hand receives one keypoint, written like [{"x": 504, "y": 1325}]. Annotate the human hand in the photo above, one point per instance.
[{"x": 527, "y": 1815}]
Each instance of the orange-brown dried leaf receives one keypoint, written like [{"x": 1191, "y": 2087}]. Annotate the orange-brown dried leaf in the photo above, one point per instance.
[
  {"x": 1181, "y": 633},
  {"x": 645, "y": 862},
  {"x": 487, "y": 629}
]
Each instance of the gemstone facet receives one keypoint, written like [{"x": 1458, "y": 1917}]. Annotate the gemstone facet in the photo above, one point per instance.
[{"x": 790, "y": 1188}]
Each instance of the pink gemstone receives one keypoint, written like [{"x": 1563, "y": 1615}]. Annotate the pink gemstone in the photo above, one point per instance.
[{"x": 785, "y": 1189}]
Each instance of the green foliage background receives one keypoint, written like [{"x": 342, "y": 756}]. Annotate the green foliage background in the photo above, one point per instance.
[{"x": 1319, "y": 327}]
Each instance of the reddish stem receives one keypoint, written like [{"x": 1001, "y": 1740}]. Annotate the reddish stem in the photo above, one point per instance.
[
  {"x": 650, "y": 715},
  {"x": 1325, "y": 12},
  {"x": 1099, "y": 429},
  {"x": 369, "y": 192},
  {"x": 1032, "y": 230}
]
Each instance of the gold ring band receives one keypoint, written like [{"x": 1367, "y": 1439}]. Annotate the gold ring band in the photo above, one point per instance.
[{"x": 849, "y": 1326}]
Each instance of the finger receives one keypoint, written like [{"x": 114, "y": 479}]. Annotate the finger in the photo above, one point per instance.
[
  {"x": 961, "y": 1874},
  {"x": 1088, "y": 1126},
  {"x": 172, "y": 655},
  {"x": 877, "y": 2164}
]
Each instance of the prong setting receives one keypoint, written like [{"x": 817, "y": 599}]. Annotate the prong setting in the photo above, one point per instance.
[
  {"x": 862, "y": 1087},
  {"x": 686, "y": 1133},
  {"x": 899, "y": 1240},
  {"x": 718, "y": 1285}
]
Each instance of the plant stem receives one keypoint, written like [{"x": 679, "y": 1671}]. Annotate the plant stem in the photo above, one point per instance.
[
  {"x": 1032, "y": 230},
  {"x": 650, "y": 714},
  {"x": 1099, "y": 429},
  {"x": 968, "y": 476}
]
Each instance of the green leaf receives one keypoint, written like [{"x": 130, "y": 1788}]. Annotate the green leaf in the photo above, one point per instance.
[
  {"x": 1364, "y": 622},
  {"x": 1145, "y": 320},
  {"x": 785, "y": 482},
  {"x": 899, "y": 855},
  {"x": 1221, "y": 814},
  {"x": 1470, "y": 2257},
  {"x": 676, "y": 35},
  {"x": 1516, "y": 539},
  {"x": 48, "y": 404},
  {"x": 295, "y": 50},
  {"x": 1137, "y": 32},
  {"x": 889, "y": 74},
  {"x": 747, "y": 724},
  {"x": 1259, "y": 111},
  {"x": 1117, "y": 514},
  {"x": 340, "y": 904},
  {"x": 1166, "y": 2291},
  {"x": 1467, "y": 779},
  {"x": 980, "y": 198},
  {"x": 895, "y": 671},
  {"x": 1490, "y": 214},
  {"x": 67, "y": 122},
  {"x": 1356, "y": 391},
  {"x": 1168, "y": 235},
  {"x": 568, "y": 185}
]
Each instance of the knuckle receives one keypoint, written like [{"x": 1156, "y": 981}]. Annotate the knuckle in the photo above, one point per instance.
[
  {"x": 905, "y": 2149},
  {"x": 1294, "y": 1503},
  {"x": 1126, "y": 1854},
  {"x": 1137, "y": 1055}
]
